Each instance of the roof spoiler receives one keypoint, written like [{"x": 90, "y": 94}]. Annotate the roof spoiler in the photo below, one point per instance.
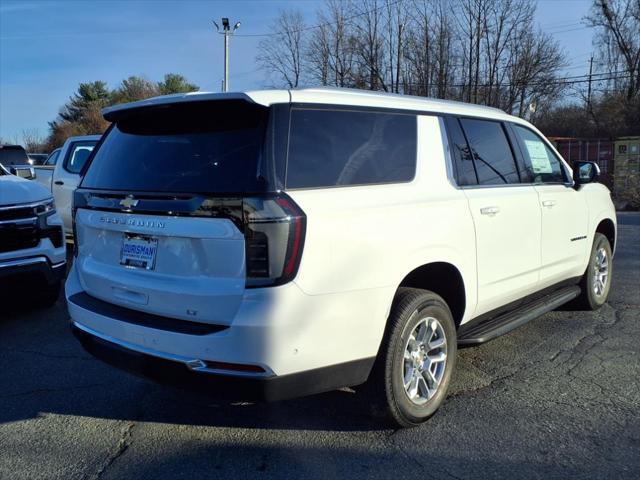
[{"x": 114, "y": 112}]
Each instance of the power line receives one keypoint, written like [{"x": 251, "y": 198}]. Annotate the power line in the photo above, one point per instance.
[{"x": 532, "y": 84}]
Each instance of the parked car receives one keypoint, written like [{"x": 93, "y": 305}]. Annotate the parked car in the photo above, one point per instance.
[
  {"x": 32, "y": 249},
  {"x": 37, "y": 158},
  {"x": 15, "y": 161},
  {"x": 61, "y": 171},
  {"x": 273, "y": 244}
]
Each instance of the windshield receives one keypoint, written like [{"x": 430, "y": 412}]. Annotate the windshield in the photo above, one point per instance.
[{"x": 200, "y": 147}]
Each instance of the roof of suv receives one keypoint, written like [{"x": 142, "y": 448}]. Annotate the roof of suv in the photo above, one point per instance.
[{"x": 323, "y": 95}]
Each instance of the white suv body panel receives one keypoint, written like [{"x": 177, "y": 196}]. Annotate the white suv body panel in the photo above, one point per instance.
[
  {"x": 281, "y": 329},
  {"x": 361, "y": 242}
]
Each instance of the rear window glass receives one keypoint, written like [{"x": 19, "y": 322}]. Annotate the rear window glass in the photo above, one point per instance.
[
  {"x": 78, "y": 155},
  {"x": 53, "y": 158},
  {"x": 13, "y": 155},
  {"x": 494, "y": 161},
  {"x": 330, "y": 148},
  {"x": 202, "y": 147}
]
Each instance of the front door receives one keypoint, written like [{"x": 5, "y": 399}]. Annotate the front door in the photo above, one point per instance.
[
  {"x": 506, "y": 216},
  {"x": 563, "y": 210}
]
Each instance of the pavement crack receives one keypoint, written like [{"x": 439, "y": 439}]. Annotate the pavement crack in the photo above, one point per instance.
[{"x": 119, "y": 449}]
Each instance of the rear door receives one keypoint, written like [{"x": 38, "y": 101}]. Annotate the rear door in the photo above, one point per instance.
[
  {"x": 564, "y": 212},
  {"x": 505, "y": 213},
  {"x": 67, "y": 175}
]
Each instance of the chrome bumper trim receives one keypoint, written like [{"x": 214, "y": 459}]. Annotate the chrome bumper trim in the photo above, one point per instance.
[
  {"x": 23, "y": 262},
  {"x": 193, "y": 364}
]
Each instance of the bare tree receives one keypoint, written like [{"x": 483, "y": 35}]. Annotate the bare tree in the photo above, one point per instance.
[
  {"x": 619, "y": 38},
  {"x": 480, "y": 51},
  {"x": 280, "y": 55},
  {"x": 532, "y": 72},
  {"x": 369, "y": 46},
  {"x": 332, "y": 45},
  {"x": 33, "y": 141}
]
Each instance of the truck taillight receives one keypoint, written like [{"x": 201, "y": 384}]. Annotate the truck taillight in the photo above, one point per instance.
[{"x": 274, "y": 239}]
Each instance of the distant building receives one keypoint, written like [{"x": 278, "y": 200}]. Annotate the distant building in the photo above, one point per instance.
[{"x": 626, "y": 185}]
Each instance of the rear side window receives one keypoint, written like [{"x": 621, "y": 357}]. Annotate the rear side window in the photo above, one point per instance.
[
  {"x": 329, "y": 148},
  {"x": 78, "y": 155},
  {"x": 540, "y": 161},
  {"x": 493, "y": 158}
]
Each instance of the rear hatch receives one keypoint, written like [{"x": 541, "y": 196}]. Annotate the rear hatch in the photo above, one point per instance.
[{"x": 179, "y": 211}]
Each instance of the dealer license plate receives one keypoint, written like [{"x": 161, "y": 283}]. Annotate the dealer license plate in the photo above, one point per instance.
[{"x": 138, "y": 251}]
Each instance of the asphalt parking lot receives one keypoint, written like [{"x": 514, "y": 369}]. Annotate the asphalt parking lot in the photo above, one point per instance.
[{"x": 557, "y": 398}]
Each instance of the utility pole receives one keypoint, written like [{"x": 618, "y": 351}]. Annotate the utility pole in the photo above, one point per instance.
[
  {"x": 589, "y": 87},
  {"x": 226, "y": 31}
]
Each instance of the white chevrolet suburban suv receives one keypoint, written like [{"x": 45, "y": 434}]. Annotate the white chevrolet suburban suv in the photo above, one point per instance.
[{"x": 273, "y": 244}]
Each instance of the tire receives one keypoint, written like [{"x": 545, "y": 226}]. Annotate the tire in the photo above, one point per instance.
[
  {"x": 400, "y": 358},
  {"x": 592, "y": 297},
  {"x": 48, "y": 295}
]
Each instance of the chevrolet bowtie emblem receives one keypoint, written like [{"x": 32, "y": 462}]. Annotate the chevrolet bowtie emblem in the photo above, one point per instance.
[{"x": 129, "y": 202}]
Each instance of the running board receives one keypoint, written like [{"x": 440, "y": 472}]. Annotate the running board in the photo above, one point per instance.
[{"x": 476, "y": 333}]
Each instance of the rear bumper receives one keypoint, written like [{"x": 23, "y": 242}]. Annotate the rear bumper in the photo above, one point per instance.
[
  {"x": 185, "y": 372},
  {"x": 33, "y": 268}
]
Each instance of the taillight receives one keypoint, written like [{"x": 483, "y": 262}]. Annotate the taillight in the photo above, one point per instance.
[{"x": 274, "y": 239}]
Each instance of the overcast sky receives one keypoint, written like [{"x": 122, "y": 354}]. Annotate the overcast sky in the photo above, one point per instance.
[{"x": 48, "y": 47}]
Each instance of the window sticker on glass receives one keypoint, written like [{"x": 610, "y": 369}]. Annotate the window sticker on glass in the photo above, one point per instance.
[{"x": 539, "y": 158}]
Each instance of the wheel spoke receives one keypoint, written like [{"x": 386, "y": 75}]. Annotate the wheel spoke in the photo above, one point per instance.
[
  {"x": 413, "y": 387},
  {"x": 437, "y": 343},
  {"x": 408, "y": 376},
  {"x": 421, "y": 334},
  {"x": 437, "y": 358},
  {"x": 431, "y": 379},
  {"x": 423, "y": 387}
]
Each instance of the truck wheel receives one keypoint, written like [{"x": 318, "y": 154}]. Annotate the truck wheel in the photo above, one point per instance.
[
  {"x": 596, "y": 281},
  {"x": 48, "y": 295},
  {"x": 413, "y": 370}
]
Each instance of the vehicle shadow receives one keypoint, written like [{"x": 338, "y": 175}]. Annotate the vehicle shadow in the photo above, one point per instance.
[{"x": 43, "y": 369}]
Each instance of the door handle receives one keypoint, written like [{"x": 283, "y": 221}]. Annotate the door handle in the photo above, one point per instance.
[
  {"x": 59, "y": 182},
  {"x": 491, "y": 211},
  {"x": 549, "y": 203}
]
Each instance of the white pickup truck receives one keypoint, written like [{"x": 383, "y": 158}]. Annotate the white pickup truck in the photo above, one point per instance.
[
  {"x": 61, "y": 173},
  {"x": 32, "y": 250}
]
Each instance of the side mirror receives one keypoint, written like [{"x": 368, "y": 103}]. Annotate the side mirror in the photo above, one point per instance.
[
  {"x": 27, "y": 173},
  {"x": 585, "y": 172}
]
